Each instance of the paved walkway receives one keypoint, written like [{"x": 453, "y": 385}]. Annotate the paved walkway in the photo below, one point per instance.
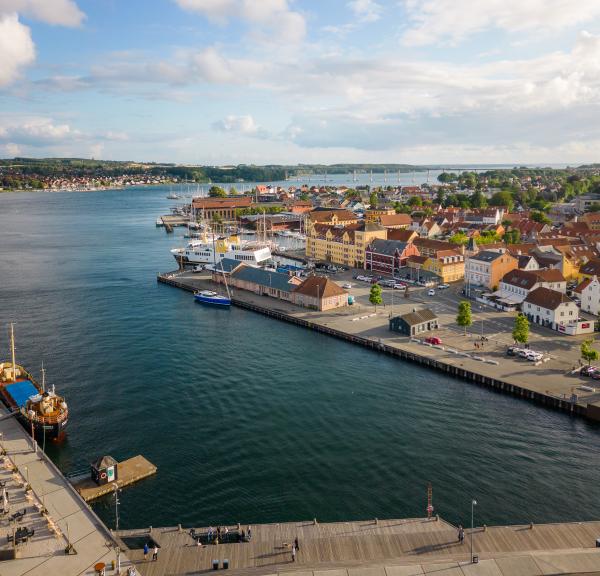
[{"x": 68, "y": 518}]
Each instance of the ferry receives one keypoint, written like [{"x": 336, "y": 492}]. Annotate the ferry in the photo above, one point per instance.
[
  {"x": 204, "y": 251},
  {"x": 40, "y": 411},
  {"x": 212, "y": 298}
]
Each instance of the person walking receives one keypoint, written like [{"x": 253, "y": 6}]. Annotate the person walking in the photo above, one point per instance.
[
  {"x": 249, "y": 532},
  {"x": 293, "y": 553},
  {"x": 155, "y": 553},
  {"x": 461, "y": 534},
  {"x": 146, "y": 552},
  {"x": 296, "y": 543}
]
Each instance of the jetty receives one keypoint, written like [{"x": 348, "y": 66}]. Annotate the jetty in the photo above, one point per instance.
[
  {"x": 171, "y": 221},
  {"x": 552, "y": 389},
  {"x": 404, "y": 547},
  {"x": 46, "y": 527},
  {"x": 128, "y": 472}
]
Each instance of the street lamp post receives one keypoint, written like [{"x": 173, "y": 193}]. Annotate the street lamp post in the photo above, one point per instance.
[{"x": 473, "y": 504}]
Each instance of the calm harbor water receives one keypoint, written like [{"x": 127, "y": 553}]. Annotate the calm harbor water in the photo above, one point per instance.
[{"x": 249, "y": 419}]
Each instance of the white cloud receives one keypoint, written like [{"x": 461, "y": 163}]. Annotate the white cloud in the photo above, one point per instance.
[
  {"x": 366, "y": 10},
  {"x": 454, "y": 20},
  {"x": 60, "y": 12},
  {"x": 243, "y": 125},
  {"x": 16, "y": 48},
  {"x": 272, "y": 18},
  {"x": 216, "y": 10}
]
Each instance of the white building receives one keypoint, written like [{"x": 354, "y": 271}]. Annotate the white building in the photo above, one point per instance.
[
  {"x": 589, "y": 292},
  {"x": 555, "y": 311}
]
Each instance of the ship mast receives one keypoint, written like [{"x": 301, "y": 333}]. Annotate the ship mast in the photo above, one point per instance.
[
  {"x": 12, "y": 351},
  {"x": 43, "y": 378}
]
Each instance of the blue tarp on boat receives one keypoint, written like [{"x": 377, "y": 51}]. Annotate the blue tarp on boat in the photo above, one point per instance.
[{"x": 21, "y": 391}]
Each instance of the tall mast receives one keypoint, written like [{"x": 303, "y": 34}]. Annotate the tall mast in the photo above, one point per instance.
[
  {"x": 43, "y": 377},
  {"x": 12, "y": 351}
]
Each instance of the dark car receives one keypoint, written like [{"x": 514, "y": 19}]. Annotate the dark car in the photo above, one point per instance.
[{"x": 587, "y": 370}]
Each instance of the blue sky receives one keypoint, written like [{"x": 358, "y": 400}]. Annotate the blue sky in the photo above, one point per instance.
[{"x": 286, "y": 81}]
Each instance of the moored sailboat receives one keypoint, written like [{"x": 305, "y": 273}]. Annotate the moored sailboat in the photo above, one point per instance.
[{"x": 39, "y": 410}]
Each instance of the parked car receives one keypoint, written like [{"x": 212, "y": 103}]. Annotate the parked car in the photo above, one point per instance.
[
  {"x": 523, "y": 353},
  {"x": 433, "y": 340},
  {"x": 587, "y": 370},
  {"x": 443, "y": 286},
  {"x": 534, "y": 356},
  {"x": 347, "y": 285},
  {"x": 431, "y": 292},
  {"x": 399, "y": 286},
  {"x": 513, "y": 350},
  {"x": 596, "y": 375}
]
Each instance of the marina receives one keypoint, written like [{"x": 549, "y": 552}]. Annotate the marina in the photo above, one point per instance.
[{"x": 142, "y": 368}]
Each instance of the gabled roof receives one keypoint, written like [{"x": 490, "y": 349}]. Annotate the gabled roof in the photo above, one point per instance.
[
  {"x": 232, "y": 202},
  {"x": 418, "y": 259},
  {"x": 487, "y": 256},
  {"x": 387, "y": 247},
  {"x": 418, "y": 316},
  {"x": 318, "y": 215},
  {"x": 520, "y": 279},
  {"x": 263, "y": 277},
  {"x": 104, "y": 462},
  {"x": 546, "y": 298},
  {"x": 319, "y": 287},
  {"x": 227, "y": 265},
  {"x": 591, "y": 268},
  {"x": 549, "y": 275},
  {"x": 584, "y": 284},
  {"x": 402, "y": 235},
  {"x": 395, "y": 219}
]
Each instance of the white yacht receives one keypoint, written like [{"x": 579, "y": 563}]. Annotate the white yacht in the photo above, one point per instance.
[{"x": 211, "y": 250}]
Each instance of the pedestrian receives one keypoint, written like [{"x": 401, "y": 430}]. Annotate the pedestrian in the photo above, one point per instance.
[
  {"x": 296, "y": 543},
  {"x": 145, "y": 551},
  {"x": 249, "y": 532},
  {"x": 243, "y": 535},
  {"x": 293, "y": 553},
  {"x": 155, "y": 553}
]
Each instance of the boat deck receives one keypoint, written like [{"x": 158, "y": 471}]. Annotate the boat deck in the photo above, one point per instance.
[{"x": 380, "y": 548}]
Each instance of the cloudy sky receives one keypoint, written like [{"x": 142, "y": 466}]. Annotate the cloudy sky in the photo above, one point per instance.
[{"x": 286, "y": 81}]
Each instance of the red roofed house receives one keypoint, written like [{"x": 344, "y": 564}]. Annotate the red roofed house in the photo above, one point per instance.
[{"x": 320, "y": 293}]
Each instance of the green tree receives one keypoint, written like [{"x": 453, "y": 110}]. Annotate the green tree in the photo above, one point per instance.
[
  {"x": 415, "y": 201},
  {"x": 233, "y": 191},
  {"x": 464, "y": 317},
  {"x": 520, "y": 331},
  {"x": 459, "y": 238},
  {"x": 512, "y": 237},
  {"x": 477, "y": 200},
  {"x": 217, "y": 192},
  {"x": 587, "y": 352},
  {"x": 540, "y": 217},
  {"x": 502, "y": 198},
  {"x": 375, "y": 295},
  {"x": 373, "y": 200}
]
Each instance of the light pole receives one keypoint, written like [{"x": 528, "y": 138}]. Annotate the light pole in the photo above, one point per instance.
[
  {"x": 473, "y": 504},
  {"x": 116, "y": 507}
]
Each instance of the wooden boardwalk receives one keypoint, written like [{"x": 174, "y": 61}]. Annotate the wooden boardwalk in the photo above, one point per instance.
[{"x": 357, "y": 546}]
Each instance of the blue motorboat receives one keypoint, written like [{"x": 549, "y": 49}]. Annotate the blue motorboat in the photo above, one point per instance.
[{"x": 212, "y": 298}]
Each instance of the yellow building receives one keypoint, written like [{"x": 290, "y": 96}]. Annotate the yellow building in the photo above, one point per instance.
[
  {"x": 448, "y": 266},
  {"x": 374, "y": 214},
  {"x": 344, "y": 245}
]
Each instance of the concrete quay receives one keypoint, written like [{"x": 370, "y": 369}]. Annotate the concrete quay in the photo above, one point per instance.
[
  {"x": 551, "y": 384},
  {"x": 373, "y": 547},
  {"x": 68, "y": 538}
]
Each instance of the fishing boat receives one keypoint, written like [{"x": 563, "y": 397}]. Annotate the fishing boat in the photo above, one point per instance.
[
  {"x": 212, "y": 298},
  {"x": 41, "y": 411}
]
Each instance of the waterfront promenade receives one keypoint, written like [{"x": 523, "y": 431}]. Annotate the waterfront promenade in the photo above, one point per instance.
[
  {"x": 379, "y": 548},
  {"x": 550, "y": 383},
  {"x": 53, "y": 511}
]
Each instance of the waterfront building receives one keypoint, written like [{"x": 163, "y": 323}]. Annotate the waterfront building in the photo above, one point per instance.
[
  {"x": 589, "y": 293},
  {"x": 339, "y": 217},
  {"x": 344, "y": 245},
  {"x": 446, "y": 266},
  {"x": 223, "y": 208},
  {"x": 261, "y": 281},
  {"x": 556, "y": 311},
  {"x": 415, "y": 323},
  {"x": 388, "y": 256},
  {"x": 487, "y": 268},
  {"x": 320, "y": 293}
]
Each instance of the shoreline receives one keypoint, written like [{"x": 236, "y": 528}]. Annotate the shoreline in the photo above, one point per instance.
[{"x": 475, "y": 370}]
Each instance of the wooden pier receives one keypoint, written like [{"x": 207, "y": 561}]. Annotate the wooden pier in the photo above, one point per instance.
[
  {"x": 374, "y": 548},
  {"x": 129, "y": 471}
]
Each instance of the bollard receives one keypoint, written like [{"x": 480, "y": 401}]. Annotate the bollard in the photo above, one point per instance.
[
  {"x": 314, "y": 521},
  {"x": 531, "y": 525},
  {"x": 150, "y": 530},
  {"x": 376, "y": 521},
  {"x": 437, "y": 517},
  {"x": 179, "y": 527},
  {"x": 485, "y": 528}
]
